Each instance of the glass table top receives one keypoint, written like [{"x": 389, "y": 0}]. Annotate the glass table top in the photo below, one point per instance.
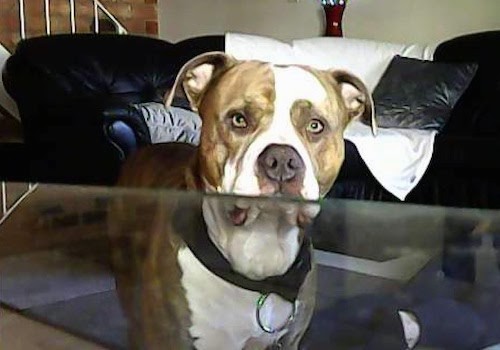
[{"x": 389, "y": 276}]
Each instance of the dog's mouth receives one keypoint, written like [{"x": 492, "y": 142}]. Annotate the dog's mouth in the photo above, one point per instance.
[
  {"x": 245, "y": 212},
  {"x": 238, "y": 216}
]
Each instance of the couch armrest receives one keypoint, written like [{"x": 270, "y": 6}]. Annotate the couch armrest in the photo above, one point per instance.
[
  {"x": 125, "y": 127},
  {"x": 69, "y": 143}
]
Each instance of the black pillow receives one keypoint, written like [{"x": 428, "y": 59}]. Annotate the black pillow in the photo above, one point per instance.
[{"x": 419, "y": 94}]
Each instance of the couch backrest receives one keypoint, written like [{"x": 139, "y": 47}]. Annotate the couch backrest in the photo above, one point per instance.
[
  {"x": 477, "y": 111},
  {"x": 364, "y": 58},
  {"x": 51, "y": 68},
  {"x": 51, "y": 75}
]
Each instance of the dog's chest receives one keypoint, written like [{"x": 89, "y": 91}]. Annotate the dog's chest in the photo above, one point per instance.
[{"x": 224, "y": 315}]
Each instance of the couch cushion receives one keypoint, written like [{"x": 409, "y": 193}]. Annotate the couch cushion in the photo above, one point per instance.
[{"x": 420, "y": 94}]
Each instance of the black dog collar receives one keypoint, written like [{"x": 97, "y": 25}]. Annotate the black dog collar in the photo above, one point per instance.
[{"x": 286, "y": 285}]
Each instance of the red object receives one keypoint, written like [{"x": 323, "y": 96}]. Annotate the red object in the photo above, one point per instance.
[{"x": 333, "y": 16}]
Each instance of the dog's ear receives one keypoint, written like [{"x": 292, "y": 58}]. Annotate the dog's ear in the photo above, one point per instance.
[
  {"x": 357, "y": 98},
  {"x": 196, "y": 74}
]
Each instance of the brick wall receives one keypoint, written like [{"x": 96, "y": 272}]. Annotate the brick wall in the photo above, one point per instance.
[{"x": 138, "y": 16}]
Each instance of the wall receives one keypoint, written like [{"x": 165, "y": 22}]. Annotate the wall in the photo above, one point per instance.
[
  {"x": 138, "y": 16},
  {"x": 424, "y": 21},
  {"x": 283, "y": 19}
]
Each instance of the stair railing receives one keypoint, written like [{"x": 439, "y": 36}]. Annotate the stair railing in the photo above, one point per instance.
[{"x": 98, "y": 9}]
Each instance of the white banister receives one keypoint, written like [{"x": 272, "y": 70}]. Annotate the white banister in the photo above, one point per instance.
[
  {"x": 96, "y": 16},
  {"x": 120, "y": 28},
  {"x": 47, "y": 16},
  {"x": 72, "y": 16},
  {"x": 22, "y": 19},
  {"x": 98, "y": 8},
  {"x": 8, "y": 210}
]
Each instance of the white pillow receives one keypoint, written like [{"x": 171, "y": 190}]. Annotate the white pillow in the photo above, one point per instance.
[
  {"x": 260, "y": 48},
  {"x": 366, "y": 59}
]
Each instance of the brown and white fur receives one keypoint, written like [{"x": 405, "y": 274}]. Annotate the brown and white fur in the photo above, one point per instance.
[{"x": 268, "y": 130}]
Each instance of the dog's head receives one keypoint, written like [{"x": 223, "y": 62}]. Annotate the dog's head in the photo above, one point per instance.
[{"x": 270, "y": 129}]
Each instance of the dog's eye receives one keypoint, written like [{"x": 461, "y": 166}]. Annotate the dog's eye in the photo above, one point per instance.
[
  {"x": 239, "y": 121},
  {"x": 315, "y": 126}
]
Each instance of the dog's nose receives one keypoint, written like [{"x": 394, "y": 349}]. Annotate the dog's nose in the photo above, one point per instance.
[{"x": 281, "y": 163}]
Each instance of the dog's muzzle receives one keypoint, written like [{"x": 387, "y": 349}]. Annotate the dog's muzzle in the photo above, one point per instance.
[{"x": 281, "y": 170}]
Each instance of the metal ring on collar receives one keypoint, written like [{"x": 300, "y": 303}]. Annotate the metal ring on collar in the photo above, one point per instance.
[{"x": 260, "y": 302}]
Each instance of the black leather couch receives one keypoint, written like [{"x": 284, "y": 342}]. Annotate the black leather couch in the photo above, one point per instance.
[{"x": 74, "y": 94}]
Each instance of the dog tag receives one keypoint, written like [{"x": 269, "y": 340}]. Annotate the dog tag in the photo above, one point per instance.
[{"x": 268, "y": 309}]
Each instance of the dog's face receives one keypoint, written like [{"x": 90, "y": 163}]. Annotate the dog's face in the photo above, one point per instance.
[{"x": 270, "y": 130}]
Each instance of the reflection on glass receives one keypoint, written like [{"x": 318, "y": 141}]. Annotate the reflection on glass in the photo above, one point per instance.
[{"x": 162, "y": 269}]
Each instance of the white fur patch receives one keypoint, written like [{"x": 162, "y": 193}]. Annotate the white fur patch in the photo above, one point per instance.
[
  {"x": 291, "y": 84},
  {"x": 265, "y": 247},
  {"x": 223, "y": 315}
]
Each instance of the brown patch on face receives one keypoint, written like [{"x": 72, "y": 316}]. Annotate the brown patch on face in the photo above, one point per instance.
[
  {"x": 326, "y": 148},
  {"x": 246, "y": 88}
]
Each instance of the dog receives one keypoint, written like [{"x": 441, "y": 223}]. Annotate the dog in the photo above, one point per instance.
[{"x": 234, "y": 272}]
